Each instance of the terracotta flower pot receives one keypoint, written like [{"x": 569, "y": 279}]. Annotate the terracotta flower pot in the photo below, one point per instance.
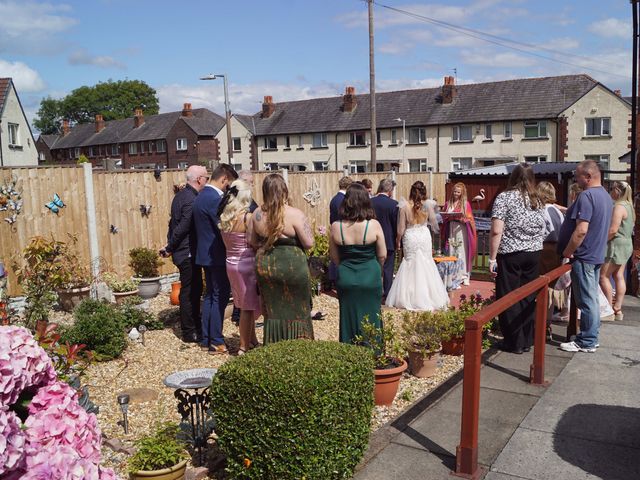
[
  {"x": 70, "y": 298},
  {"x": 174, "y": 298},
  {"x": 172, "y": 473},
  {"x": 453, "y": 346},
  {"x": 386, "y": 384},
  {"x": 120, "y": 296},
  {"x": 422, "y": 366}
]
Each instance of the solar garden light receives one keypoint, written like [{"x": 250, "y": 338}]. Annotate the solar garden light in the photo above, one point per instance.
[
  {"x": 142, "y": 329},
  {"x": 123, "y": 401}
]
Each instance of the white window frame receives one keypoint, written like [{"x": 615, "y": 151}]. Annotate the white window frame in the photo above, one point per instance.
[
  {"x": 76, "y": 152},
  {"x": 324, "y": 166},
  {"x": 272, "y": 166},
  {"x": 150, "y": 146},
  {"x": 271, "y": 143},
  {"x": 14, "y": 134},
  {"x": 319, "y": 140},
  {"x": 358, "y": 166},
  {"x": 457, "y": 133},
  {"x": 538, "y": 158},
  {"x": 239, "y": 144},
  {"x": 507, "y": 130},
  {"x": 378, "y": 138},
  {"x": 114, "y": 149},
  {"x": 41, "y": 156},
  {"x": 183, "y": 165},
  {"x": 133, "y": 148},
  {"x": 487, "y": 132},
  {"x": 601, "y": 124},
  {"x": 287, "y": 142},
  {"x": 91, "y": 152},
  {"x": 421, "y": 134},
  {"x": 421, "y": 162},
  {"x": 181, "y": 144},
  {"x": 141, "y": 148},
  {"x": 358, "y": 139},
  {"x": 540, "y": 125},
  {"x": 161, "y": 146},
  {"x": 394, "y": 137},
  {"x": 300, "y": 142},
  {"x": 461, "y": 163}
]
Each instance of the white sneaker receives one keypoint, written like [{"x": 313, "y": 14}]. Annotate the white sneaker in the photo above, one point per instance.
[
  {"x": 574, "y": 347},
  {"x": 573, "y": 338},
  {"x": 465, "y": 281}
]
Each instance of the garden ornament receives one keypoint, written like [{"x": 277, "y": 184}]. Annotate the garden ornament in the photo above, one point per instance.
[
  {"x": 145, "y": 210},
  {"x": 313, "y": 195},
  {"x": 142, "y": 329},
  {"x": 123, "y": 401},
  {"x": 134, "y": 334},
  {"x": 56, "y": 204}
]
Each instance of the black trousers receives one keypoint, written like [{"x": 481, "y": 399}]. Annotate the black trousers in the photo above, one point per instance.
[
  {"x": 387, "y": 272},
  {"x": 190, "y": 296},
  {"x": 517, "y": 322}
]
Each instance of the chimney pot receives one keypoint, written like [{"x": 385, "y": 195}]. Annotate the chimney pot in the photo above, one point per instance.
[
  {"x": 268, "y": 107},
  {"x": 138, "y": 118},
  {"x": 186, "y": 110},
  {"x": 349, "y": 102},
  {"x": 99, "y": 123},
  {"x": 65, "y": 127}
]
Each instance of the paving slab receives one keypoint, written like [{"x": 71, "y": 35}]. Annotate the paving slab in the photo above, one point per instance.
[{"x": 500, "y": 476}]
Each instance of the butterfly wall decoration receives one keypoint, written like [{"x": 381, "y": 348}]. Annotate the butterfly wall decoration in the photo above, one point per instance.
[
  {"x": 145, "y": 210},
  {"x": 56, "y": 204},
  {"x": 313, "y": 195},
  {"x": 113, "y": 229},
  {"x": 11, "y": 198},
  {"x": 11, "y": 219}
]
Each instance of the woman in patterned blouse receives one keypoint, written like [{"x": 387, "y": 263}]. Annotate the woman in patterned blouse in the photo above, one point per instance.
[{"x": 517, "y": 233}]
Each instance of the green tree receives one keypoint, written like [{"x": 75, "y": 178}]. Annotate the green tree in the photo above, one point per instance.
[{"x": 114, "y": 100}]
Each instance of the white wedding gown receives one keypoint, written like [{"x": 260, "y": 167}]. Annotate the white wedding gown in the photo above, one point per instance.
[{"x": 417, "y": 285}]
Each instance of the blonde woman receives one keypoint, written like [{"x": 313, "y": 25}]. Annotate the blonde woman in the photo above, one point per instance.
[
  {"x": 619, "y": 246},
  {"x": 235, "y": 227},
  {"x": 282, "y": 234},
  {"x": 459, "y": 225}
]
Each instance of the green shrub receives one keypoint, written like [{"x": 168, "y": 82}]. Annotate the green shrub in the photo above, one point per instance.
[
  {"x": 145, "y": 262},
  {"x": 160, "y": 450},
  {"x": 134, "y": 316},
  {"x": 294, "y": 409},
  {"x": 100, "y": 326}
]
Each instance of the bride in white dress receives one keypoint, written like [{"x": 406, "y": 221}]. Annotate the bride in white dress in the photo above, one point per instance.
[{"x": 417, "y": 285}]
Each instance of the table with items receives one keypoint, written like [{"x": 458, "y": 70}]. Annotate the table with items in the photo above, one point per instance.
[{"x": 450, "y": 270}]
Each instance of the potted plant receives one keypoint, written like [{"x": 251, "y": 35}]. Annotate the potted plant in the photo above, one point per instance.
[
  {"x": 160, "y": 455},
  {"x": 146, "y": 264},
  {"x": 453, "y": 339},
  {"x": 121, "y": 287},
  {"x": 421, "y": 337},
  {"x": 386, "y": 352},
  {"x": 75, "y": 276}
]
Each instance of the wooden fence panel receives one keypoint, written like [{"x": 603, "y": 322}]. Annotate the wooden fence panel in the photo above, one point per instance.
[{"x": 405, "y": 180}]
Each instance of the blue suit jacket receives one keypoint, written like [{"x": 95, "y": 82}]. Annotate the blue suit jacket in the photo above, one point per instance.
[
  {"x": 210, "y": 249},
  {"x": 387, "y": 214},
  {"x": 336, "y": 201}
]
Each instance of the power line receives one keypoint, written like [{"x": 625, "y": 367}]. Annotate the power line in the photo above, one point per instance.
[{"x": 496, "y": 40}]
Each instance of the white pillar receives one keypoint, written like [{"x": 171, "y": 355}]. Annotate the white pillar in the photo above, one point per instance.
[
  {"x": 94, "y": 251},
  {"x": 285, "y": 175}
]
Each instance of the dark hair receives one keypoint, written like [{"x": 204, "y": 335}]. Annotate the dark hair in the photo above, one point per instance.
[
  {"x": 224, "y": 170},
  {"x": 523, "y": 180},
  {"x": 367, "y": 183},
  {"x": 356, "y": 205},
  {"x": 417, "y": 195}
]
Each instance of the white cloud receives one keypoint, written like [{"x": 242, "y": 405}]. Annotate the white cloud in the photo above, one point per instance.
[
  {"x": 562, "y": 44},
  {"x": 24, "y": 77},
  {"x": 611, "y": 28},
  {"x": 387, "y": 18},
  {"x": 32, "y": 27},
  {"x": 83, "y": 57},
  {"x": 483, "y": 58}
]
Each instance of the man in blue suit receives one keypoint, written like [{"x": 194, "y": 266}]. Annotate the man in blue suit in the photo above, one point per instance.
[
  {"x": 334, "y": 205},
  {"x": 211, "y": 255},
  {"x": 386, "y": 209}
]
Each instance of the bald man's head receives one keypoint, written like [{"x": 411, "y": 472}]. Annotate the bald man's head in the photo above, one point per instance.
[{"x": 197, "y": 176}]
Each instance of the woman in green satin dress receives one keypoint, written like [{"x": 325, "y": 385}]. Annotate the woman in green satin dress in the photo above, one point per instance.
[
  {"x": 356, "y": 245},
  {"x": 619, "y": 247}
]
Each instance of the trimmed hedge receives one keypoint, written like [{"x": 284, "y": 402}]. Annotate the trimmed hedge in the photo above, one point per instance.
[{"x": 294, "y": 409}]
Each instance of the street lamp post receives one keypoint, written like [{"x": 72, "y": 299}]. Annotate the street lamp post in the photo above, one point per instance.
[
  {"x": 404, "y": 139},
  {"x": 226, "y": 108}
]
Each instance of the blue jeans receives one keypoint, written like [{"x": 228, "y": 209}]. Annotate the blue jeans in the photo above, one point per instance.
[
  {"x": 584, "y": 291},
  {"x": 215, "y": 301}
]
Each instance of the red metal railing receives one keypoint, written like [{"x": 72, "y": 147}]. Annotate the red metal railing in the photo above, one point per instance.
[{"x": 467, "y": 450}]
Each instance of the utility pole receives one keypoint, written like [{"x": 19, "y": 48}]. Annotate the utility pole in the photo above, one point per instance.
[
  {"x": 633, "y": 160},
  {"x": 372, "y": 90}
]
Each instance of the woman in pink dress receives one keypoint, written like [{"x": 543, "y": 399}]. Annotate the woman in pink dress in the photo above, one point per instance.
[{"x": 235, "y": 224}]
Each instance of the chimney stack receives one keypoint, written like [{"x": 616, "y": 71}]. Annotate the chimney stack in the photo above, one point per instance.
[
  {"x": 349, "y": 100},
  {"x": 138, "y": 117},
  {"x": 449, "y": 90},
  {"x": 186, "y": 110},
  {"x": 65, "y": 127},
  {"x": 618, "y": 92},
  {"x": 268, "y": 107},
  {"x": 99, "y": 123}
]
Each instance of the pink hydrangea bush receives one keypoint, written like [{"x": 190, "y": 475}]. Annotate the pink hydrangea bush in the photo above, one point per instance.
[{"x": 59, "y": 439}]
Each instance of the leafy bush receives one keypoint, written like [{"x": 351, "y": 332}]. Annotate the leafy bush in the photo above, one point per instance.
[
  {"x": 294, "y": 409},
  {"x": 100, "y": 326},
  {"x": 133, "y": 316},
  {"x": 382, "y": 341},
  {"x": 158, "y": 451},
  {"x": 120, "y": 284},
  {"x": 145, "y": 262},
  {"x": 422, "y": 332}
]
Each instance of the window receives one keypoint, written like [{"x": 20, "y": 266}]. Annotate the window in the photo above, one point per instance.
[
  {"x": 161, "y": 146},
  {"x": 536, "y": 159},
  {"x": 237, "y": 144},
  {"x": 270, "y": 143},
  {"x": 418, "y": 165},
  {"x": 287, "y": 142},
  {"x": 183, "y": 165},
  {"x": 14, "y": 138},
  {"x": 76, "y": 152},
  {"x": 357, "y": 139},
  {"x": 600, "y": 126},
  {"x": 141, "y": 147},
  {"x": 319, "y": 140},
  {"x": 417, "y": 135},
  {"x": 90, "y": 151},
  {"x": 487, "y": 132},
  {"x": 300, "y": 144},
  {"x": 133, "y": 149},
  {"x": 358, "y": 166},
  {"x": 150, "y": 147},
  {"x": 507, "y": 129},
  {"x": 271, "y": 166},
  {"x": 237, "y": 167},
  {"x": 320, "y": 166},
  {"x": 378, "y": 138},
  {"x": 41, "y": 156},
  {"x": 114, "y": 149},
  {"x": 535, "y": 129},
  {"x": 394, "y": 137},
  {"x": 462, "y": 133},
  {"x": 461, "y": 163},
  {"x": 181, "y": 144},
  {"x": 603, "y": 161}
]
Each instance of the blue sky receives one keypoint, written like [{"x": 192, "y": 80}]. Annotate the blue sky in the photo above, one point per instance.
[{"x": 298, "y": 49}]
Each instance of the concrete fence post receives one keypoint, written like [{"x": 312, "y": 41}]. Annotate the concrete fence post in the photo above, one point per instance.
[
  {"x": 285, "y": 175},
  {"x": 94, "y": 251}
]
